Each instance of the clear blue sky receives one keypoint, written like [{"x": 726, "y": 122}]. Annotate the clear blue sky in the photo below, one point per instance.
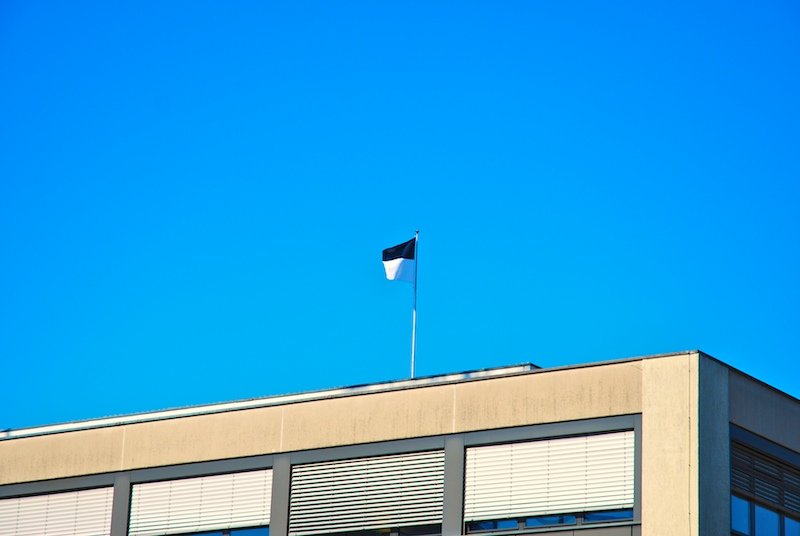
[{"x": 194, "y": 195}]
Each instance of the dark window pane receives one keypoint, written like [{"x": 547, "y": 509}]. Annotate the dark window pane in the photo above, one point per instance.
[
  {"x": 543, "y": 521},
  {"x": 480, "y": 525},
  {"x": 767, "y": 522},
  {"x": 611, "y": 515},
  {"x": 740, "y": 515},
  {"x": 791, "y": 527},
  {"x": 495, "y": 524},
  {"x": 420, "y": 530}
]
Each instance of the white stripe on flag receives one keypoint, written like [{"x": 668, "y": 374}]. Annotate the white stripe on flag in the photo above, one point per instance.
[{"x": 400, "y": 269}]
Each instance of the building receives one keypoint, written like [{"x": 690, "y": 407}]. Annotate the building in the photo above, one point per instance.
[{"x": 677, "y": 444}]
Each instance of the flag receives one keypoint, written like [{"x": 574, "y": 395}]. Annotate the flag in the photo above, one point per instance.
[{"x": 400, "y": 261}]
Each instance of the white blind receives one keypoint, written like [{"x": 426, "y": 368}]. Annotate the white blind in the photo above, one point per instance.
[
  {"x": 367, "y": 493},
  {"x": 75, "y": 513},
  {"x": 573, "y": 474},
  {"x": 203, "y": 503}
]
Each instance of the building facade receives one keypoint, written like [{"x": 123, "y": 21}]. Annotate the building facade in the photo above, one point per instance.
[{"x": 677, "y": 444}]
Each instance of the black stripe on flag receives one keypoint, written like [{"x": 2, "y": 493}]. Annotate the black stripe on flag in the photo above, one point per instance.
[{"x": 406, "y": 250}]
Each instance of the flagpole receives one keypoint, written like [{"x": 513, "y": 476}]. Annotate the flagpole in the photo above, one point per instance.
[{"x": 414, "y": 314}]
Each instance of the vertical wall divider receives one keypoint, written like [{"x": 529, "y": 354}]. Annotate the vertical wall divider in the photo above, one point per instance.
[
  {"x": 121, "y": 505},
  {"x": 636, "y": 530},
  {"x": 281, "y": 486},
  {"x": 453, "y": 514}
]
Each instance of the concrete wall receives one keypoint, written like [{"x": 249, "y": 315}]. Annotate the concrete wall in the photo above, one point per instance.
[
  {"x": 542, "y": 397},
  {"x": 713, "y": 444},
  {"x": 667, "y": 487},
  {"x": 762, "y": 410},
  {"x": 685, "y": 438}
]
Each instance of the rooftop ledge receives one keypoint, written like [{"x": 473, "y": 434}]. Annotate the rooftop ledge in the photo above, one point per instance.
[
  {"x": 205, "y": 409},
  {"x": 380, "y": 387}
]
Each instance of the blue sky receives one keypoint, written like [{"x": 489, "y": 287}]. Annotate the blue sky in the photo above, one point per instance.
[{"x": 194, "y": 196}]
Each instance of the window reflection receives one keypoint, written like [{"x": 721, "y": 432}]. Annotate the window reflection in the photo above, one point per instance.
[
  {"x": 550, "y": 520},
  {"x": 611, "y": 515},
  {"x": 791, "y": 527},
  {"x": 767, "y": 522},
  {"x": 750, "y": 519},
  {"x": 253, "y": 531},
  {"x": 740, "y": 515},
  {"x": 544, "y": 521}
]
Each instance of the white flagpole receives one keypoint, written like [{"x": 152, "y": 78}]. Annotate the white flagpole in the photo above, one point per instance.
[{"x": 414, "y": 314}]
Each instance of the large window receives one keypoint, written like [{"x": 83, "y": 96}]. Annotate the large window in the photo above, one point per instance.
[
  {"x": 203, "y": 504},
  {"x": 562, "y": 481},
  {"x": 74, "y": 513},
  {"x": 765, "y": 494},
  {"x": 402, "y": 493}
]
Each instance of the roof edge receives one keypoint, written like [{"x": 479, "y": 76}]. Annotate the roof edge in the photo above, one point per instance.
[
  {"x": 275, "y": 400},
  {"x": 340, "y": 392}
]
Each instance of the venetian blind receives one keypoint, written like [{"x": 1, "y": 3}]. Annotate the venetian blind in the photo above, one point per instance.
[
  {"x": 74, "y": 513},
  {"x": 367, "y": 493},
  {"x": 760, "y": 476},
  {"x": 572, "y": 474},
  {"x": 200, "y": 504}
]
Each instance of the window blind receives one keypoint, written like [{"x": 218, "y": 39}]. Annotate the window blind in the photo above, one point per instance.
[
  {"x": 202, "y": 503},
  {"x": 367, "y": 493},
  {"x": 572, "y": 474},
  {"x": 74, "y": 513},
  {"x": 768, "y": 479}
]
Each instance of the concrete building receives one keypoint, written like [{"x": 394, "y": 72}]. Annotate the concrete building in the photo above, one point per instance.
[{"x": 678, "y": 444}]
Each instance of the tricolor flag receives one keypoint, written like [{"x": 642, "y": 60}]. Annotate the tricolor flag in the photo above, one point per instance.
[{"x": 400, "y": 261}]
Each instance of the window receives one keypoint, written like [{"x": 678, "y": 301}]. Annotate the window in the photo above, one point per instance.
[
  {"x": 254, "y": 531},
  {"x": 767, "y": 522},
  {"x": 791, "y": 527},
  {"x": 612, "y": 515},
  {"x": 213, "y": 505},
  {"x": 493, "y": 525},
  {"x": 765, "y": 493},
  {"x": 751, "y": 519},
  {"x": 416, "y": 530},
  {"x": 740, "y": 515},
  {"x": 78, "y": 513},
  {"x": 765, "y": 479},
  {"x": 550, "y": 482},
  {"x": 257, "y": 531},
  {"x": 550, "y": 521},
  {"x": 547, "y": 521},
  {"x": 403, "y": 492}
]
